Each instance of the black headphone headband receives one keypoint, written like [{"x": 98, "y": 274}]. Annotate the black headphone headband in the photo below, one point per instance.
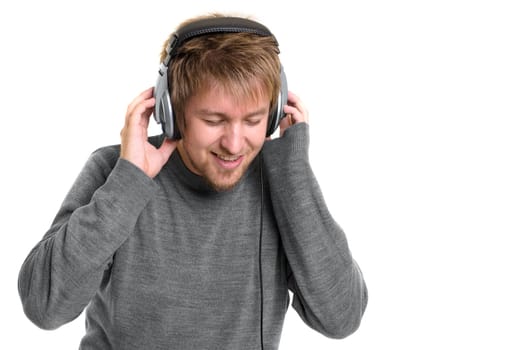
[
  {"x": 163, "y": 110},
  {"x": 221, "y": 25}
]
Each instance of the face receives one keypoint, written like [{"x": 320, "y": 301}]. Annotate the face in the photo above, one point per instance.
[{"x": 222, "y": 135}]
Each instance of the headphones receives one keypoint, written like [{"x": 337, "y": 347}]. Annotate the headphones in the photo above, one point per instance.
[{"x": 163, "y": 112}]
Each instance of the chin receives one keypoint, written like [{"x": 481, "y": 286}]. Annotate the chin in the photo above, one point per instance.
[
  {"x": 222, "y": 186},
  {"x": 225, "y": 182}
]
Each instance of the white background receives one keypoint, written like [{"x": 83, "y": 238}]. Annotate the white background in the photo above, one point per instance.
[{"x": 418, "y": 113}]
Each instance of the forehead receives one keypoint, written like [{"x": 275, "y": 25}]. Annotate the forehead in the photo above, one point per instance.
[
  {"x": 246, "y": 96},
  {"x": 222, "y": 102}
]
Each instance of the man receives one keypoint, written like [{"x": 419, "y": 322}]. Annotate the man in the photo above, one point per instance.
[{"x": 191, "y": 240}]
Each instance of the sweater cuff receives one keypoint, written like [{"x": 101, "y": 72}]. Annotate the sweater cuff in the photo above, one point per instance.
[
  {"x": 127, "y": 188},
  {"x": 292, "y": 146}
]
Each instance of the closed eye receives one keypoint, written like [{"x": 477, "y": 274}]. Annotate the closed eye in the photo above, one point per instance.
[
  {"x": 253, "y": 121},
  {"x": 213, "y": 122}
]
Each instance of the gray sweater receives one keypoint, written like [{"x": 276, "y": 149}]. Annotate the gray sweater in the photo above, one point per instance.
[{"x": 168, "y": 263}]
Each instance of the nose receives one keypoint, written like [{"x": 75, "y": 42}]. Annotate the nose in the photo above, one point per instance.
[{"x": 233, "y": 139}]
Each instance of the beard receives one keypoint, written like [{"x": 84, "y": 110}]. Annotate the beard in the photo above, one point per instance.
[
  {"x": 222, "y": 180},
  {"x": 225, "y": 182}
]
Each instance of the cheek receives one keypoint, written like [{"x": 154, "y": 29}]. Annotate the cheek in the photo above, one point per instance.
[
  {"x": 200, "y": 138},
  {"x": 257, "y": 136},
  {"x": 258, "y": 142}
]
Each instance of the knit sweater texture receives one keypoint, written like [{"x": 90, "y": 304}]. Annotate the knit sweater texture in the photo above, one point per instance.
[{"x": 169, "y": 263}]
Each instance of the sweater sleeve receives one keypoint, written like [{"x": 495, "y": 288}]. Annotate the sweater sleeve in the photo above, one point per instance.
[
  {"x": 64, "y": 270},
  {"x": 330, "y": 294}
]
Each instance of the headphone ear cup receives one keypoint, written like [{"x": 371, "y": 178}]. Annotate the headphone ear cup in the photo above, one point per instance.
[
  {"x": 163, "y": 113},
  {"x": 278, "y": 113}
]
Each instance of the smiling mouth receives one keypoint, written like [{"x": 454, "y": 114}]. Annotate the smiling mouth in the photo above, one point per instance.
[
  {"x": 227, "y": 158},
  {"x": 228, "y": 161}
]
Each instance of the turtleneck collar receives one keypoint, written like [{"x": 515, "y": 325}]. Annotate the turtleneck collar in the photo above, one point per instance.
[{"x": 196, "y": 182}]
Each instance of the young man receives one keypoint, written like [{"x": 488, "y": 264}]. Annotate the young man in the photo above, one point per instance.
[{"x": 191, "y": 240}]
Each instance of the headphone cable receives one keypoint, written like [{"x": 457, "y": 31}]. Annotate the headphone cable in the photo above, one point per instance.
[{"x": 260, "y": 255}]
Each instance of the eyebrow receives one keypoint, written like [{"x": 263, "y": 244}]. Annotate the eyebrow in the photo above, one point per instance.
[{"x": 207, "y": 112}]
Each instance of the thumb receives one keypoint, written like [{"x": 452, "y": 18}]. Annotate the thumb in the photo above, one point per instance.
[
  {"x": 167, "y": 148},
  {"x": 285, "y": 123}
]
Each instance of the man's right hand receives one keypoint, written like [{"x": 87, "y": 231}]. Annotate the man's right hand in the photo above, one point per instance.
[{"x": 134, "y": 137}]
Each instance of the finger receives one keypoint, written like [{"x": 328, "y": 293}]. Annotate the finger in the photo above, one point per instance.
[
  {"x": 285, "y": 123},
  {"x": 292, "y": 97},
  {"x": 297, "y": 116},
  {"x": 141, "y": 112},
  {"x": 167, "y": 148},
  {"x": 147, "y": 94},
  {"x": 296, "y": 108},
  {"x": 295, "y": 101}
]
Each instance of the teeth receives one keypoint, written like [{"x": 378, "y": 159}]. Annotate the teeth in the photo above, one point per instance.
[{"x": 227, "y": 158}]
